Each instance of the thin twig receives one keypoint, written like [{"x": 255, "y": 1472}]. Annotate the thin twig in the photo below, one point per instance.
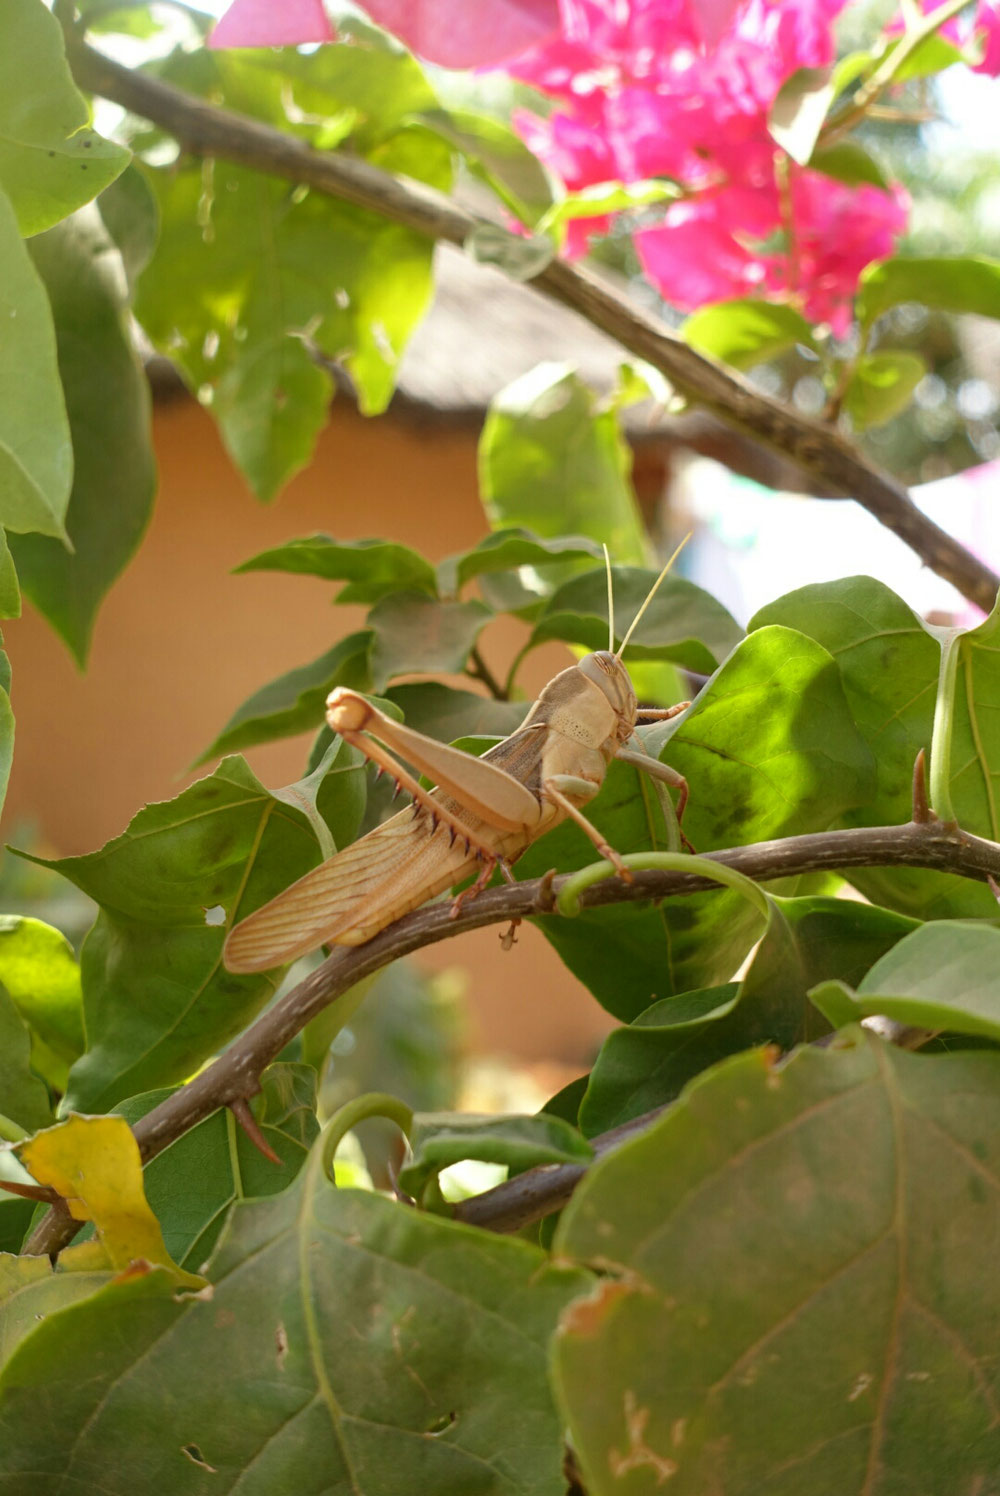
[
  {"x": 479, "y": 670},
  {"x": 236, "y": 1073},
  {"x": 823, "y": 453}
]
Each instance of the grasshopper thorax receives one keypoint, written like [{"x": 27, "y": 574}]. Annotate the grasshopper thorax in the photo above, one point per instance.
[{"x": 606, "y": 671}]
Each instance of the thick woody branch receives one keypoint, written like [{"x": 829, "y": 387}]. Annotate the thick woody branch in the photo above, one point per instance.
[
  {"x": 817, "y": 450},
  {"x": 235, "y": 1075}
]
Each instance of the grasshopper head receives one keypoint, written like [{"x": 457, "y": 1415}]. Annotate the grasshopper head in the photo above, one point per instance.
[{"x": 606, "y": 670}]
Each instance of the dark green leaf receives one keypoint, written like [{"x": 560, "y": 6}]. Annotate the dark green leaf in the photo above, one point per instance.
[
  {"x": 439, "y": 1139},
  {"x": 349, "y": 1339},
  {"x": 10, "y": 591},
  {"x": 807, "y": 941},
  {"x": 107, "y": 399},
  {"x": 889, "y": 663},
  {"x": 682, "y": 623},
  {"x": 15, "y": 1218},
  {"x": 506, "y": 549},
  {"x": 415, "y": 633},
  {"x": 446, "y": 713},
  {"x": 192, "y": 1185},
  {"x": 847, "y": 161},
  {"x": 799, "y": 110},
  {"x": 157, "y": 1000},
  {"x": 881, "y": 386},
  {"x": 551, "y": 460},
  {"x": 746, "y": 332},
  {"x": 128, "y": 210},
  {"x": 769, "y": 750},
  {"x": 23, "y": 1097},
  {"x": 50, "y": 160},
  {"x": 959, "y": 284},
  {"x": 294, "y": 702},
  {"x": 373, "y": 568},
  {"x": 803, "y": 1295},
  {"x": 943, "y": 976},
  {"x": 36, "y": 452}
]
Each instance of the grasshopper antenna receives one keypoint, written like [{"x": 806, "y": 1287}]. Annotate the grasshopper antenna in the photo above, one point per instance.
[
  {"x": 611, "y": 604},
  {"x": 649, "y": 597}
]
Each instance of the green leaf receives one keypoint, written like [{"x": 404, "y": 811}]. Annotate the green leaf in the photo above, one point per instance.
[
  {"x": 521, "y": 257},
  {"x": 682, "y": 623},
  {"x": 31, "y": 1289},
  {"x": 446, "y": 713},
  {"x": 959, "y": 284},
  {"x": 294, "y": 702},
  {"x": 803, "y": 1295},
  {"x": 808, "y": 940},
  {"x": 746, "y": 332},
  {"x": 889, "y": 664},
  {"x": 23, "y": 1097},
  {"x": 506, "y": 549},
  {"x": 373, "y": 568},
  {"x": 769, "y": 749},
  {"x": 348, "y": 1338},
  {"x": 128, "y": 211},
  {"x": 39, "y": 971},
  {"x": 847, "y": 161},
  {"x": 933, "y": 55},
  {"x": 36, "y": 452},
  {"x": 157, "y": 1000},
  {"x": 107, "y": 399},
  {"x": 496, "y": 155},
  {"x": 942, "y": 976},
  {"x": 881, "y": 385},
  {"x": 270, "y": 403},
  {"x": 193, "y": 1184},
  {"x": 51, "y": 162},
  {"x": 552, "y": 461},
  {"x": 799, "y": 110},
  {"x": 439, "y": 1139},
  {"x": 415, "y": 633},
  {"x": 601, "y": 198},
  {"x": 10, "y": 591}
]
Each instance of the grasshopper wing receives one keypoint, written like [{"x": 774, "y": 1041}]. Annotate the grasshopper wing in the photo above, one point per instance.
[{"x": 351, "y": 896}]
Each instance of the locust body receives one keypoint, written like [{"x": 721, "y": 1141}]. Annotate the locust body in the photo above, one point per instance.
[{"x": 484, "y": 813}]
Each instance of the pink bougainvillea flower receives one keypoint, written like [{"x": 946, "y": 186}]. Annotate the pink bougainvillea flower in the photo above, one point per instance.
[
  {"x": 467, "y": 33},
  {"x": 838, "y": 231},
  {"x": 271, "y": 23},
  {"x": 986, "y": 28}
]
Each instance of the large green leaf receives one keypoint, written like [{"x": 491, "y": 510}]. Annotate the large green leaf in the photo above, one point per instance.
[
  {"x": 372, "y": 568},
  {"x": 415, "y": 633},
  {"x": 881, "y": 385},
  {"x": 23, "y": 1098},
  {"x": 952, "y": 284},
  {"x": 446, "y": 713},
  {"x": 505, "y": 550},
  {"x": 193, "y": 1183},
  {"x": 107, "y": 398},
  {"x": 769, "y": 749},
  {"x": 682, "y": 623},
  {"x": 294, "y": 702},
  {"x": 889, "y": 663},
  {"x": 36, "y": 452},
  {"x": 807, "y": 941},
  {"x": 943, "y": 976},
  {"x": 157, "y": 1000},
  {"x": 552, "y": 460},
  {"x": 50, "y": 160},
  {"x": 351, "y": 1343},
  {"x": 802, "y": 1293},
  {"x": 746, "y": 332}
]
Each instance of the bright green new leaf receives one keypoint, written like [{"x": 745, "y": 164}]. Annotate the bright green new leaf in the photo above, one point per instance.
[
  {"x": 799, "y": 1291},
  {"x": 847, "y": 161},
  {"x": 348, "y": 1339},
  {"x": 881, "y": 385},
  {"x": 746, "y": 332},
  {"x": 51, "y": 162},
  {"x": 36, "y": 452},
  {"x": 39, "y": 971},
  {"x": 682, "y": 623},
  {"x": 960, "y": 284},
  {"x": 943, "y": 976},
  {"x": 806, "y": 941},
  {"x": 23, "y": 1097},
  {"x": 439, "y": 1139},
  {"x": 192, "y": 1185},
  {"x": 415, "y": 633},
  {"x": 602, "y": 198},
  {"x": 933, "y": 55},
  {"x": 553, "y": 461},
  {"x": 94, "y": 1164},
  {"x": 769, "y": 750},
  {"x": 295, "y": 701},
  {"x": 157, "y": 1000},
  {"x": 107, "y": 399},
  {"x": 372, "y": 568}
]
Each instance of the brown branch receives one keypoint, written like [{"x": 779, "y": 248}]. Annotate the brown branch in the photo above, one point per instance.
[
  {"x": 823, "y": 453},
  {"x": 236, "y": 1073}
]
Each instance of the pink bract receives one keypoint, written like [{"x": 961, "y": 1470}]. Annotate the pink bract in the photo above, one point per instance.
[{"x": 263, "y": 23}]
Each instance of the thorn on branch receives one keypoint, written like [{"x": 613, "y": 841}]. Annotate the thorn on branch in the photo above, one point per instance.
[
  {"x": 922, "y": 812},
  {"x": 545, "y": 899},
  {"x": 240, "y": 1109}
]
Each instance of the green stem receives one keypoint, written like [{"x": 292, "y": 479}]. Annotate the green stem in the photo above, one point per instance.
[
  {"x": 10, "y": 1131},
  {"x": 508, "y": 685},
  {"x": 568, "y": 902},
  {"x": 941, "y": 735},
  {"x": 373, "y": 1104}
]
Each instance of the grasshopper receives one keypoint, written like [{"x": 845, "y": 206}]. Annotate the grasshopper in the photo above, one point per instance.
[{"x": 483, "y": 814}]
